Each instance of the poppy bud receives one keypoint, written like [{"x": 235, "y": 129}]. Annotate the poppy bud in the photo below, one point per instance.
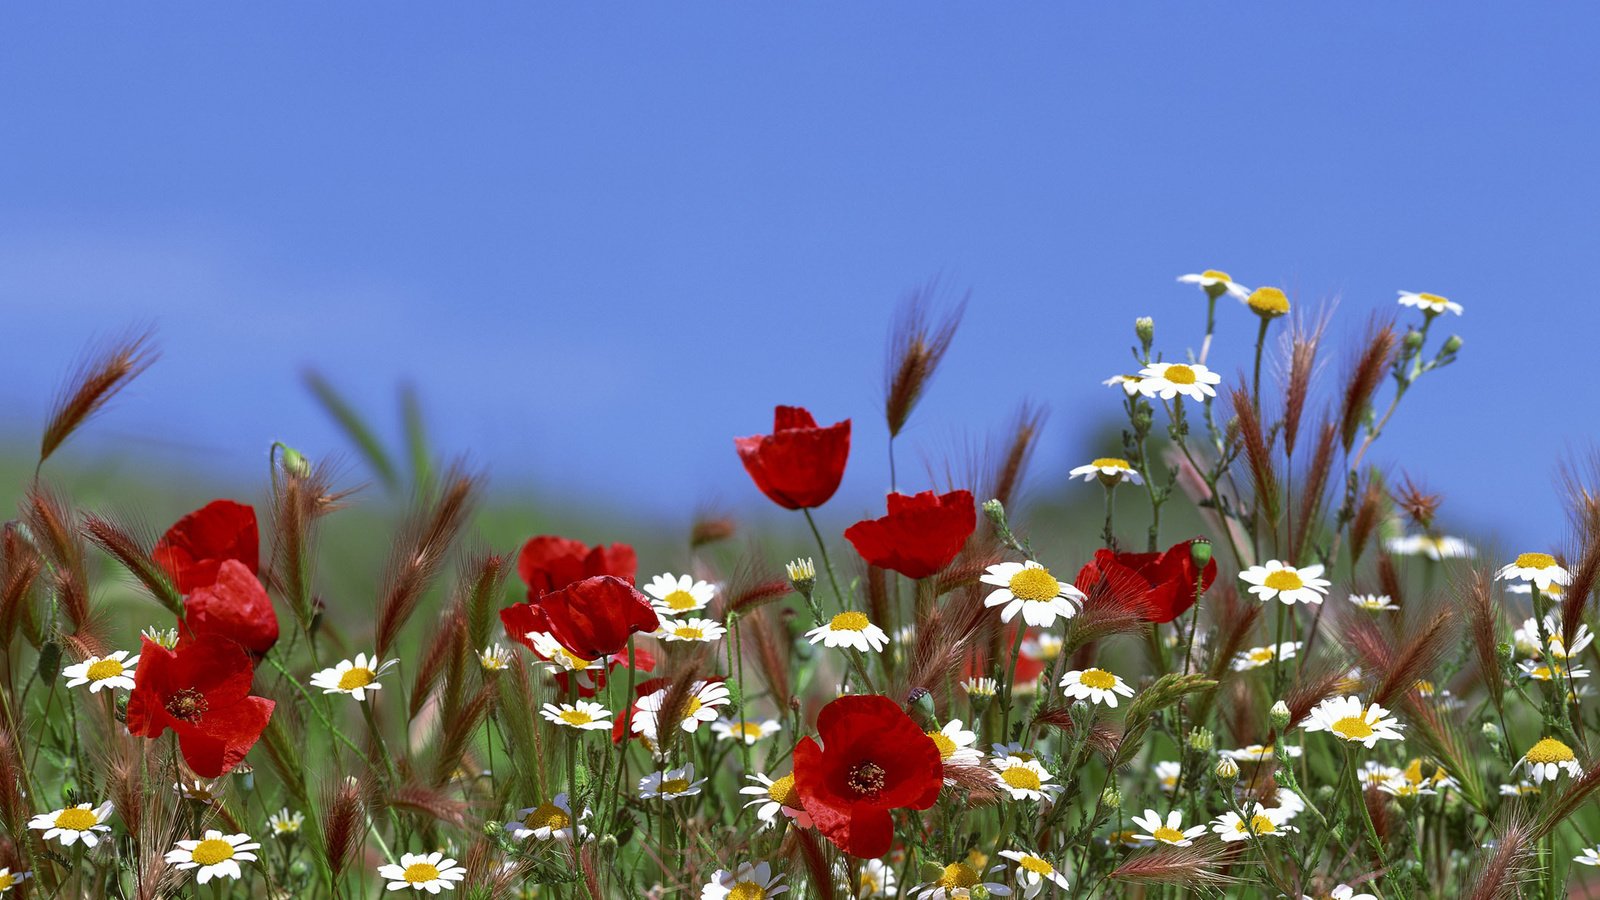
[
  {"x": 1227, "y": 772},
  {"x": 1280, "y": 715},
  {"x": 920, "y": 705},
  {"x": 1200, "y": 552},
  {"x": 1145, "y": 328},
  {"x": 246, "y": 776},
  {"x": 293, "y": 461},
  {"x": 49, "y": 661}
]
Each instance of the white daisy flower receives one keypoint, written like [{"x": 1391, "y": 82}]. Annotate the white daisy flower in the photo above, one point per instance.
[
  {"x": 216, "y": 855},
  {"x": 198, "y": 790},
  {"x": 1169, "y": 832},
  {"x": 1541, "y": 569},
  {"x": 74, "y": 823},
  {"x": 744, "y": 730},
  {"x": 1435, "y": 547},
  {"x": 584, "y": 715},
  {"x": 1030, "y": 589},
  {"x": 850, "y": 629},
  {"x": 286, "y": 824},
  {"x": 980, "y": 687},
  {"x": 1352, "y": 720},
  {"x": 1108, "y": 469},
  {"x": 165, "y": 637},
  {"x": 1289, "y": 804},
  {"x": 774, "y": 797},
  {"x": 874, "y": 878},
  {"x": 1095, "y": 686},
  {"x": 1374, "y": 774},
  {"x": 701, "y": 708},
  {"x": 748, "y": 882},
  {"x": 956, "y": 882},
  {"x": 1520, "y": 789},
  {"x": 671, "y": 784},
  {"x": 354, "y": 677},
  {"x": 1374, "y": 602},
  {"x": 1043, "y": 645},
  {"x": 1035, "y": 873},
  {"x": 1547, "y": 759},
  {"x": 1342, "y": 892},
  {"x": 1263, "y": 822},
  {"x": 1168, "y": 380},
  {"x": 1286, "y": 583},
  {"x": 1553, "y": 593},
  {"x": 1167, "y": 772},
  {"x": 114, "y": 670},
  {"x": 1025, "y": 779},
  {"x": 1589, "y": 857},
  {"x": 1526, "y": 639},
  {"x": 1216, "y": 283},
  {"x": 431, "y": 872},
  {"x": 1130, "y": 383},
  {"x": 701, "y": 630},
  {"x": 676, "y": 595},
  {"x": 559, "y": 659},
  {"x": 957, "y": 746},
  {"x": 10, "y": 879},
  {"x": 1550, "y": 671},
  {"x": 1433, "y": 304},
  {"x": 494, "y": 658},
  {"x": 1256, "y": 657},
  {"x": 550, "y": 821},
  {"x": 1260, "y": 753}
]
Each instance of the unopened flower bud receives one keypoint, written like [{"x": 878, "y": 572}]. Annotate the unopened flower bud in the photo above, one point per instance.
[
  {"x": 996, "y": 511},
  {"x": 1145, "y": 328},
  {"x": 1268, "y": 302},
  {"x": 1201, "y": 740},
  {"x": 920, "y": 705},
  {"x": 979, "y": 892},
  {"x": 1452, "y": 343},
  {"x": 1491, "y": 733},
  {"x": 293, "y": 461},
  {"x": 166, "y": 637},
  {"x": 1200, "y": 552},
  {"x": 1227, "y": 771},
  {"x": 1503, "y": 651},
  {"x": 246, "y": 776},
  {"x": 49, "y": 665},
  {"x": 1111, "y": 798},
  {"x": 1413, "y": 340},
  {"x": 1080, "y": 714},
  {"x": 931, "y": 871},
  {"x": 1279, "y": 715},
  {"x": 803, "y": 575}
]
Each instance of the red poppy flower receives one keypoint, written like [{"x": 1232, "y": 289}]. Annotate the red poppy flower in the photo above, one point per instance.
[
  {"x": 799, "y": 465},
  {"x": 594, "y": 617},
  {"x": 549, "y": 563},
  {"x": 873, "y": 758},
  {"x": 236, "y": 607},
  {"x": 920, "y": 535},
  {"x": 196, "y": 547},
  {"x": 1169, "y": 578},
  {"x": 201, "y": 691}
]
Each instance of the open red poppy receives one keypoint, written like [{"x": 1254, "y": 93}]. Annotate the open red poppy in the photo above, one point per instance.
[
  {"x": 236, "y": 607},
  {"x": 873, "y": 758},
  {"x": 195, "y": 547},
  {"x": 920, "y": 535},
  {"x": 1170, "y": 579},
  {"x": 549, "y": 563},
  {"x": 594, "y": 617},
  {"x": 799, "y": 465},
  {"x": 201, "y": 691}
]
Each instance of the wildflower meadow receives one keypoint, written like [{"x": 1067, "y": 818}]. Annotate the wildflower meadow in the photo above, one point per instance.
[{"x": 1270, "y": 669}]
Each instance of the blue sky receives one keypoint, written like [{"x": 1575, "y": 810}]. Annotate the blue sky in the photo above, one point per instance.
[{"x": 605, "y": 240}]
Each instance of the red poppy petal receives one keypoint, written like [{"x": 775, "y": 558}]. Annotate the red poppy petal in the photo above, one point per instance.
[
  {"x": 236, "y": 607},
  {"x": 196, "y": 546}
]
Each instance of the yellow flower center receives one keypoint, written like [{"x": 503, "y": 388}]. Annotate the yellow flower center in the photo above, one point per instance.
[
  {"x": 1352, "y": 728},
  {"x": 1268, "y": 301},
  {"x": 782, "y": 792},
  {"x": 1036, "y": 865},
  {"x": 421, "y": 873},
  {"x": 6, "y": 881},
  {"x": 944, "y": 743},
  {"x": 1259, "y": 824},
  {"x": 1110, "y": 462},
  {"x": 1432, "y": 298},
  {"x": 211, "y": 851},
  {"x": 692, "y": 708},
  {"x": 1170, "y": 835},
  {"x": 957, "y": 875},
  {"x": 1535, "y": 561},
  {"x": 869, "y": 884},
  {"x": 1549, "y": 750},
  {"x": 1261, "y": 654},
  {"x": 849, "y": 621},
  {"x": 746, "y": 730},
  {"x": 76, "y": 819},
  {"x": 356, "y": 677},
  {"x": 573, "y": 660},
  {"x": 1540, "y": 673},
  {"x": 680, "y": 600},
  {"x": 1099, "y": 679},
  {"x": 105, "y": 668},
  {"x": 548, "y": 815},
  {"x": 1284, "y": 580},
  {"x": 1035, "y": 583},
  {"x": 1179, "y": 374},
  {"x": 576, "y": 717},
  {"x": 747, "y": 890},
  {"x": 1215, "y": 275},
  {"x": 674, "y": 785},
  {"x": 691, "y": 633},
  {"x": 1021, "y": 777}
]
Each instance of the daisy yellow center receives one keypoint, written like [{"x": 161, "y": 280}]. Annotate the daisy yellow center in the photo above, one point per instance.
[
  {"x": 1110, "y": 462},
  {"x": 1215, "y": 275},
  {"x": 1170, "y": 835},
  {"x": 1269, "y": 301},
  {"x": 957, "y": 875},
  {"x": 1179, "y": 374},
  {"x": 674, "y": 785},
  {"x": 1550, "y": 750},
  {"x": 1260, "y": 655},
  {"x": 6, "y": 881},
  {"x": 1431, "y": 298},
  {"x": 869, "y": 884},
  {"x": 782, "y": 791},
  {"x": 1021, "y": 777},
  {"x": 548, "y": 816},
  {"x": 105, "y": 668},
  {"x": 1541, "y": 673},
  {"x": 421, "y": 873},
  {"x": 212, "y": 851},
  {"x": 943, "y": 742},
  {"x": 1034, "y": 583},
  {"x": 76, "y": 819},
  {"x": 356, "y": 677},
  {"x": 692, "y": 633},
  {"x": 1260, "y": 824},
  {"x": 692, "y": 708},
  {"x": 849, "y": 621},
  {"x": 1036, "y": 865},
  {"x": 1535, "y": 561},
  {"x": 680, "y": 600},
  {"x": 1352, "y": 728},
  {"x": 1284, "y": 580},
  {"x": 747, "y": 890},
  {"x": 1099, "y": 679},
  {"x": 576, "y": 717},
  {"x": 747, "y": 730}
]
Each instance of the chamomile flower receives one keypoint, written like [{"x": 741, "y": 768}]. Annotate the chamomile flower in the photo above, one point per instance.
[
  {"x": 164, "y": 637},
  {"x": 1520, "y": 789},
  {"x": 702, "y": 630},
  {"x": 494, "y": 658},
  {"x": 353, "y": 676},
  {"x": 1433, "y": 304},
  {"x": 956, "y": 881},
  {"x": 1263, "y": 822},
  {"x": 1256, "y": 657},
  {"x": 1589, "y": 857},
  {"x": 850, "y": 629},
  {"x": 1095, "y": 686},
  {"x": 216, "y": 855},
  {"x": 1030, "y": 589},
  {"x": 286, "y": 824},
  {"x": 1025, "y": 779},
  {"x": 584, "y": 715},
  {"x": 676, "y": 595},
  {"x": 1035, "y": 873},
  {"x": 1167, "y": 772},
  {"x": 980, "y": 687},
  {"x": 1268, "y": 302},
  {"x": 1404, "y": 787},
  {"x": 774, "y": 798},
  {"x": 1130, "y": 383},
  {"x": 1539, "y": 569},
  {"x": 1109, "y": 469},
  {"x": 1552, "y": 670},
  {"x": 1216, "y": 283},
  {"x": 1285, "y": 583},
  {"x": 1043, "y": 645},
  {"x": 1169, "y": 832},
  {"x": 874, "y": 878},
  {"x": 1547, "y": 759},
  {"x": 1260, "y": 753},
  {"x": 671, "y": 784},
  {"x": 744, "y": 730},
  {"x": 197, "y": 790},
  {"x": 1434, "y": 546},
  {"x": 431, "y": 872},
  {"x": 1374, "y": 602},
  {"x": 74, "y": 823},
  {"x": 1374, "y": 774},
  {"x": 114, "y": 670},
  {"x": 1526, "y": 639},
  {"x": 10, "y": 879},
  {"x": 701, "y": 708},
  {"x": 557, "y": 658},
  {"x": 550, "y": 821},
  {"x": 1351, "y": 720},
  {"x": 957, "y": 745},
  {"x": 748, "y": 882},
  {"x": 1340, "y": 892},
  {"x": 1168, "y": 380}
]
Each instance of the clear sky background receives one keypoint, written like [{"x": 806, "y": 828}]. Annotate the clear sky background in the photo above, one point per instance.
[{"x": 604, "y": 241}]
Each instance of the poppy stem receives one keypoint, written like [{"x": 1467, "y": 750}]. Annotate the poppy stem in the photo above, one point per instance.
[{"x": 822, "y": 549}]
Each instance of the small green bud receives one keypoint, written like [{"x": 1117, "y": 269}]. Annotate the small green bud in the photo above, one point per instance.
[
  {"x": 1200, "y": 552},
  {"x": 1227, "y": 772},
  {"x": 931, "y": 871},
  {"x": 920, "y": 705},
  {"x": 608, "y": 847},
  {"x": 1491, "y": 733},
  {"x": 1413, "y": 340},
  {"x": 978, "y": 892},
  {"x": 293, "y": 461},
  {"x": 996, "y": 511},
  {"x": 1145, "y": 328},
  {"x": 1280, "y": 715},
  {"x": 1452, "y": 344},
  {"x": 1201, "y": 740},
  {"x": 1111, "y": 798},
  {"x": 49, "y": 661},
  {"x": 1503, "y": 651},
  {"x": 246, "y": 777},
  {"x": 803, "y": 576}
]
